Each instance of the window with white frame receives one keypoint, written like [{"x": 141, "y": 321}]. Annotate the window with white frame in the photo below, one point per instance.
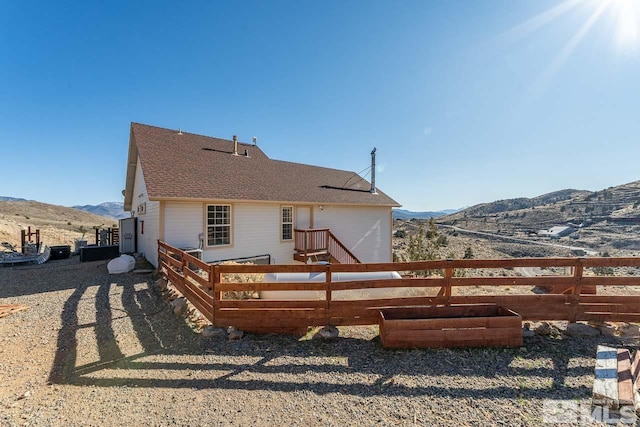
[
  {"x": 142, "y": 208},
  {"x": 218, "y": 225},
  {"x": 286, "y": 221}
]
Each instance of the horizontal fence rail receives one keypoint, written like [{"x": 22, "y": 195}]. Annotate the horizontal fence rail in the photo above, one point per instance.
[{"x": 572, "y": 297}]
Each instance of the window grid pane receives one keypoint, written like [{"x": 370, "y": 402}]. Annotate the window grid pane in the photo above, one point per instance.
[
  {"x": 287, "y": 223},
  {"x": 218, "y": 225},
  {"x": 287, "y": 231},
  {"x": 287, "y": 215}
]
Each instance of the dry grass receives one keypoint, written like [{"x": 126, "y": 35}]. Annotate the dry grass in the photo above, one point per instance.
[
  {"x": 240, "y": 278},
  {"x": 58, "y": 225}
]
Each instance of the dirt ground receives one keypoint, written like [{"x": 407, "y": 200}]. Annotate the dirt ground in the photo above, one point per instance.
[{"x": 95, "y": 349}]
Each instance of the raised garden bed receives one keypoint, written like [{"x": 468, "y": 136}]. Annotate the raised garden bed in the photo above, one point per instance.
[{"x": 476, "y": 325}]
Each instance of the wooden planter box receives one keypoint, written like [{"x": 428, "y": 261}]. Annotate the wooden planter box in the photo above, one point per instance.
[{"x": 476, "y": 325}]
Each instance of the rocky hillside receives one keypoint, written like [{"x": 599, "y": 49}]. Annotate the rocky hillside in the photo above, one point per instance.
[
  {"x": 58, "y": 225},
  {"x": 610, "y": 217},
  {"x": 524, "y": 202}
]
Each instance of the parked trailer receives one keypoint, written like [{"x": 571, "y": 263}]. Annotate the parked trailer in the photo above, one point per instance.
[{"x": 335, "y": 277}]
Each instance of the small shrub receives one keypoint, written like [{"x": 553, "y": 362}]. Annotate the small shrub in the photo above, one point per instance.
[{"x": 240, "y": 278}]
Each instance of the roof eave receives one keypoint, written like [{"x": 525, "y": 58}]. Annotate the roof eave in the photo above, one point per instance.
[
  {"x": 132, "y": 162},
  {"x": 155, "y": 198}
]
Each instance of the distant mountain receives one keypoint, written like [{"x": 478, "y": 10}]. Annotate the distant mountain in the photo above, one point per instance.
[
  {"x": 404, "y": 214},
  {"x": 614, "y": 205},
  {"x": 113, "y": 210},
  {"x": 508, "y": 205},
  {"x": 11, "y": 199}
]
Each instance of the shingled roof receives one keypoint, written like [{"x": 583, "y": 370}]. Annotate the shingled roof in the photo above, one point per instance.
[{"x": 179, "y": 165}]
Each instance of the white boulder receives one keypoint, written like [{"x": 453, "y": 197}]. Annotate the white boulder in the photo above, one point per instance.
[{"x": 122, "y": 264}]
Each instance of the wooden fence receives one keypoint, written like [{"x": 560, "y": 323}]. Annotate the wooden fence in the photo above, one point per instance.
[{"x": 204, "y": 286}]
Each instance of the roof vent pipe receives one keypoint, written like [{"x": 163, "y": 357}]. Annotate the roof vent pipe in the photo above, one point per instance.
[
  {"x": 255, "y": 140},
  {"x": 373, "y": 171},
  {"x": 235, "y": 145}
]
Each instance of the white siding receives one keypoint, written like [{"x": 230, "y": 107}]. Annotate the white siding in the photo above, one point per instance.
[
  {"x": 255, "y": 231},
  {"x": 183, "y": 224},
  {"x": 303, "y": 217},
  {"x": 364, "y": 230},
  {"x": 147, "y": 242}
]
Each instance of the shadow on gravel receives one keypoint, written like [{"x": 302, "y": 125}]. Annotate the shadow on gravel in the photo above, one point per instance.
[
  {"x": 35, "y": 279},
  {"x": 284, "y": 363}
]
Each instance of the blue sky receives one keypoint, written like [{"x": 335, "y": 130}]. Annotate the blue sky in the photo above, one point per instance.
[{"x": 466, "y": 101}]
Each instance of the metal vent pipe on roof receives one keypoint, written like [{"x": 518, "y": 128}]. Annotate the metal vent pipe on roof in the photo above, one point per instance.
[
  {"x": 235, "y": 145},
  {"x": 373, "y": 171}
]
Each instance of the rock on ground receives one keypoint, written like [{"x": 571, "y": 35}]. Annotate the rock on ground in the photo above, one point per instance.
[{"x": 581, "y": 330}]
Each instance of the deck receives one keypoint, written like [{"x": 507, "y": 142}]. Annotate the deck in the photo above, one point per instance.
[
  {"x": 206, "y": 287},
  {"x": 320, "y": 244}
]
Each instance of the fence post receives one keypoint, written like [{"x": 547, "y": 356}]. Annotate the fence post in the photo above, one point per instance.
[
  {"x": 327, "y": 277},
  {"x": 217, "y": 295},
  {"x": 183, "y": 265},
  {"x": 448, "y": 274},
  {"x": 577, "y": 288},
  {"x": 211, "y": 284},
  {"x": 577, "y": 275}
]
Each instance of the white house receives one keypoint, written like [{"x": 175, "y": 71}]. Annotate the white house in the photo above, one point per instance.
[
  {"x": 556, "y": 232},
  {"x": 229, "y": 201}
]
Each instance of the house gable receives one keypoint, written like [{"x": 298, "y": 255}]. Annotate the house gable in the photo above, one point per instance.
[
  {"x": 176, "y": 175},
  {"x": 183, "y": 166}
]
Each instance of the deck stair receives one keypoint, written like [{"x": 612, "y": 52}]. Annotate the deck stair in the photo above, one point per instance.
[{"x": 320, "y": 244}]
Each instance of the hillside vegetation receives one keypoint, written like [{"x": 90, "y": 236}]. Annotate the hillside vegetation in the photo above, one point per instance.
[
  {"x": 606, "y": 219},
  {"x": 58, "y": 225}
]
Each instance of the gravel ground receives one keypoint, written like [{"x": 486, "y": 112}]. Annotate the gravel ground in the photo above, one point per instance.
[{"x": 96, "y": 350}]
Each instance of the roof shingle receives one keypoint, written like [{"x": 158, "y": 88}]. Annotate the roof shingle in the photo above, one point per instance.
[{"x": 189, "y": 166}]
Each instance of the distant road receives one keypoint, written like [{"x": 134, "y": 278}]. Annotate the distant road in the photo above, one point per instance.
[
  {"x": 516, "y": 239},
  {"x": 512, "y": 239}
]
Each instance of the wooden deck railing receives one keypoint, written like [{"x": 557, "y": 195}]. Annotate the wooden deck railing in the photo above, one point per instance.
[
  {"x": 340, "y": 252},
  {"x": 321, "y": 241},
  {"x": 311, "y": 241},
  {"x": 204, "y": 289}
]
